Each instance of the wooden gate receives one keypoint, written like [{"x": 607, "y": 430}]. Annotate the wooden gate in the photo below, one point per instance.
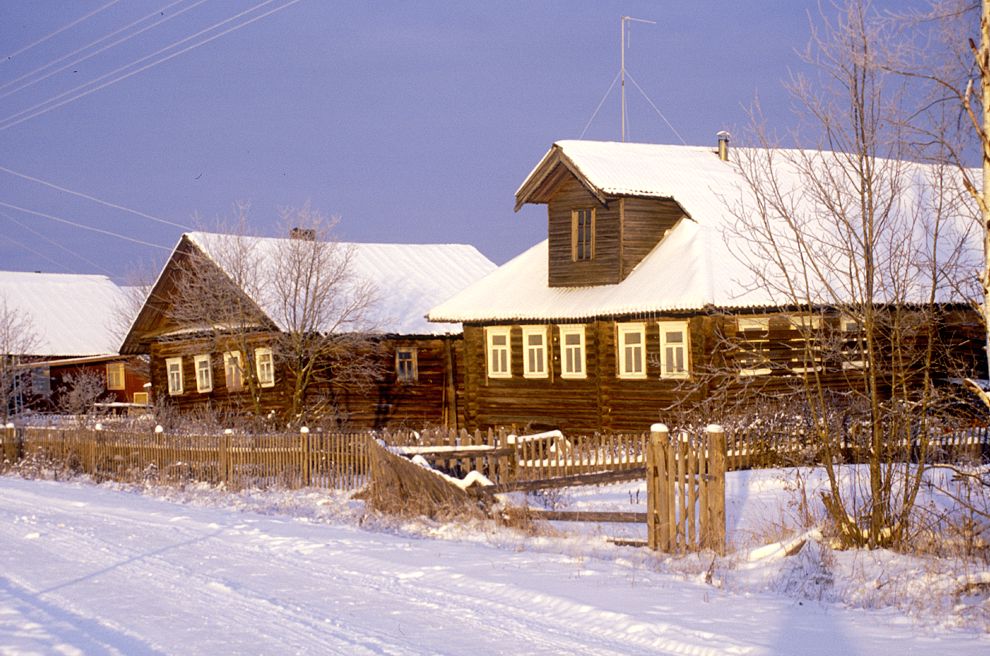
[{"x": 685, "y": 484}]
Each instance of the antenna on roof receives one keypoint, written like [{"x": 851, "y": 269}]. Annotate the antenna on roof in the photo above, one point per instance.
[{"x": 624, "y": 24}]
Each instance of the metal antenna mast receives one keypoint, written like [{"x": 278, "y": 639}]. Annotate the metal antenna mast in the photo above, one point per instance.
[{"x": 622, "y": 71}]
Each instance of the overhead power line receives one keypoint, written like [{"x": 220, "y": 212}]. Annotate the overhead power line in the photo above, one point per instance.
[
  {"x": 83, "y": 226},
  {"x": 95, "y": 199},
  {"x": 50, "y": 241},
  {"x": 27, "y": 248},
  {"x": 41, "y": 108},
  {"x": 59, "y": 30},
  {"x": 157, "y": 14}
]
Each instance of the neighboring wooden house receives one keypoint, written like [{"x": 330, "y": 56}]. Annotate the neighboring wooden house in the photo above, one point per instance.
[
  {"x": 635, "y": 305},
  {"x": 68, "y": 329},
  {"x": 196, "y": 366}
]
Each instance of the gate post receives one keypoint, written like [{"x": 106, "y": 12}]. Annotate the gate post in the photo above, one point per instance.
[
  {"x": 716, "y": 487},
  {"x": 657, "y": 501}
]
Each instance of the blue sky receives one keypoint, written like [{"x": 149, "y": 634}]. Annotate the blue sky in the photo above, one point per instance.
[{"x": 411, "y": 121}]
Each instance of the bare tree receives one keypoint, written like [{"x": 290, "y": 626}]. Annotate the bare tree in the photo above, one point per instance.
[
  {"x": 18, "y": 337},
  {"x": 299, "y": 294},
  {"x": 850, "y": 231},
  {"x": 80, "y": 391}
]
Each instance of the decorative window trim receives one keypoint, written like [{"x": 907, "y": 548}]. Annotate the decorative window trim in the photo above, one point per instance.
[
  {"x": 504, "y": 368},
  {"x": 665, "y": 328},
  {"x": 752, "y": 324},
  {"x": 535, "y": 356},
  {"x": 174, "y": 382},
  {"x": 402, "y": 375},
  {"x": 583, "y": 245},
  {"x": 115, "y": 376},
  {"x": 627, "y": 367},
  {"x": 233, "y": 374},
  {"x": 204, "y": 375},
  {"x": 266, "y": 374},
  {"x": 567, "y": 365}
]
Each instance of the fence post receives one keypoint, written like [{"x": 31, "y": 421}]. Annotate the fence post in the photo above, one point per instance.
[
  {"x": 223, "y": 458},
  {"x": 304, "y": 451},
  {"x": 657, "y": 501},
  {"x": 715, "y": 512},
  {"x": 9, "y": 443}
]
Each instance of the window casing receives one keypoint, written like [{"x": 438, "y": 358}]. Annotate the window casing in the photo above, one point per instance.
[
  {"x": 233, "y": 370},
  {"x": 675, "y": 349},
  {"x": 534, "y": 351},
  {"x": 583, "y": 234},
  {"x": 498, "y": 341},
  {"x": 632, "y": 350},
  {"x": 115, "y": 376},
  {"x": 173, "y": 368},
  {"x": 572, "y": 364},
  {"x": 754, "y": 354},
  {"x": 265, "y": 367},
  {"x": 204, "y": 373},
  {"x": 406, "y": 364}
]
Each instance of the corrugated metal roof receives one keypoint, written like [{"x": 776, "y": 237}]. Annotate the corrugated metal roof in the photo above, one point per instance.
[
  {"x": 72, "y": 314},
  {"x": 703, "y": 260},
  {"x": 408, "y": 278}
]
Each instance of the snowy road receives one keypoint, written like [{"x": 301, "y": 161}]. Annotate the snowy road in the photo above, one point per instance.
[{"x": 91, "y": 570}]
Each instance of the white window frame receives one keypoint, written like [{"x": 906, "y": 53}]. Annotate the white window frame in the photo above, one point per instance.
[
  {"x": 567, "y": 364},
  {"x": 666, "y": 327},
  {"x": 535, "y": 355},
  {"x": 490, "y": 351},
  {"x": 174, "y": 384},
  {"x": 115, "y": 376},
  {"x": 233, "y": 366},
  {"x": 264, "y": 366},
  {"x": 411, "y": 376},
  {"x": 204, "y": 375},
  {"x": 624, "y": 369}
]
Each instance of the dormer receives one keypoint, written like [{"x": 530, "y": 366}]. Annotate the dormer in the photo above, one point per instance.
[{"x": 597, "y": 232}]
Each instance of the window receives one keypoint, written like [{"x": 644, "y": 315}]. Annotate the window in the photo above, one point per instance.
[
  {"x": 632, "y": 350},
  {"x": 572, "y": 352},
  {"x": 406, "y": 365},
  {"x": 233, "y": 372},
  {"x": 204, "y": 373},
  {"x": 534, "y": 351},
  {"x": 140, "y": 398},
  {"x": 753, "y": 355},
  {"x": 265, "y": 365},
  {"x": 674, "y": 340},
  {"x": 115, "y": 376},
  {"x": 806, "y": 322},
  {"x": 173, "y": 367},
  {"x": 583, "y": 234},
  {"x": 499, "y": 353},
  {"x": 806, "y": 352},
  {"x": 753, "y": 324},
  {"x": 853, "y": 345}
]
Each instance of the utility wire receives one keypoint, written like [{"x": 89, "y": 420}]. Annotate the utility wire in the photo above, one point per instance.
[
  {"x": 59, "y": 30},
  {"x": 39, "y": 254},
  {"x": 94, "y": 199},
  {"x": 659, "y": 113},
  {"x": 83, "y": 226},
  {"x": 156, "y": 13},
  {"x": 30, "y": 113},
  {"x": 53, "y": 243},
  {"x": 600, "y": 103}
]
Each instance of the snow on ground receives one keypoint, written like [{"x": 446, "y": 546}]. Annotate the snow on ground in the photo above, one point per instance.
[{"x": 116, "y": 569}]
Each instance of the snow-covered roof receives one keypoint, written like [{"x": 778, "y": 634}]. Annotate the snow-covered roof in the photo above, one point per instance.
[
  {"x": 408, "y": 279},
  {"x": 71, "y": 314},
  {"x": 703, "y": 261}
]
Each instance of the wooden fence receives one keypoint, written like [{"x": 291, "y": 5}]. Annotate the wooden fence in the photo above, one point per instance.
[
  {"x": 327, "y": 460},
  {"x": 685, "y": 490}
]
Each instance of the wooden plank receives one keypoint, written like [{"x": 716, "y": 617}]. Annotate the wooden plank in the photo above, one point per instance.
[
  {"x": 598, "y": 478},
  {"x": 588, "y": 516}
]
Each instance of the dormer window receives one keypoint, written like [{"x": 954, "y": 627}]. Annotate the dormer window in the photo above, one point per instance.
[{"x": 583, "y": 234}]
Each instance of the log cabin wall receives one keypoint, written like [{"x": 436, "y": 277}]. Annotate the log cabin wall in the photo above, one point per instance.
[
  {"x": 644, "y": 223},
  {"x": 603, "y": 268},
  {"x": 731, "y": 370},
  {"x": 429, "y": 400}
]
